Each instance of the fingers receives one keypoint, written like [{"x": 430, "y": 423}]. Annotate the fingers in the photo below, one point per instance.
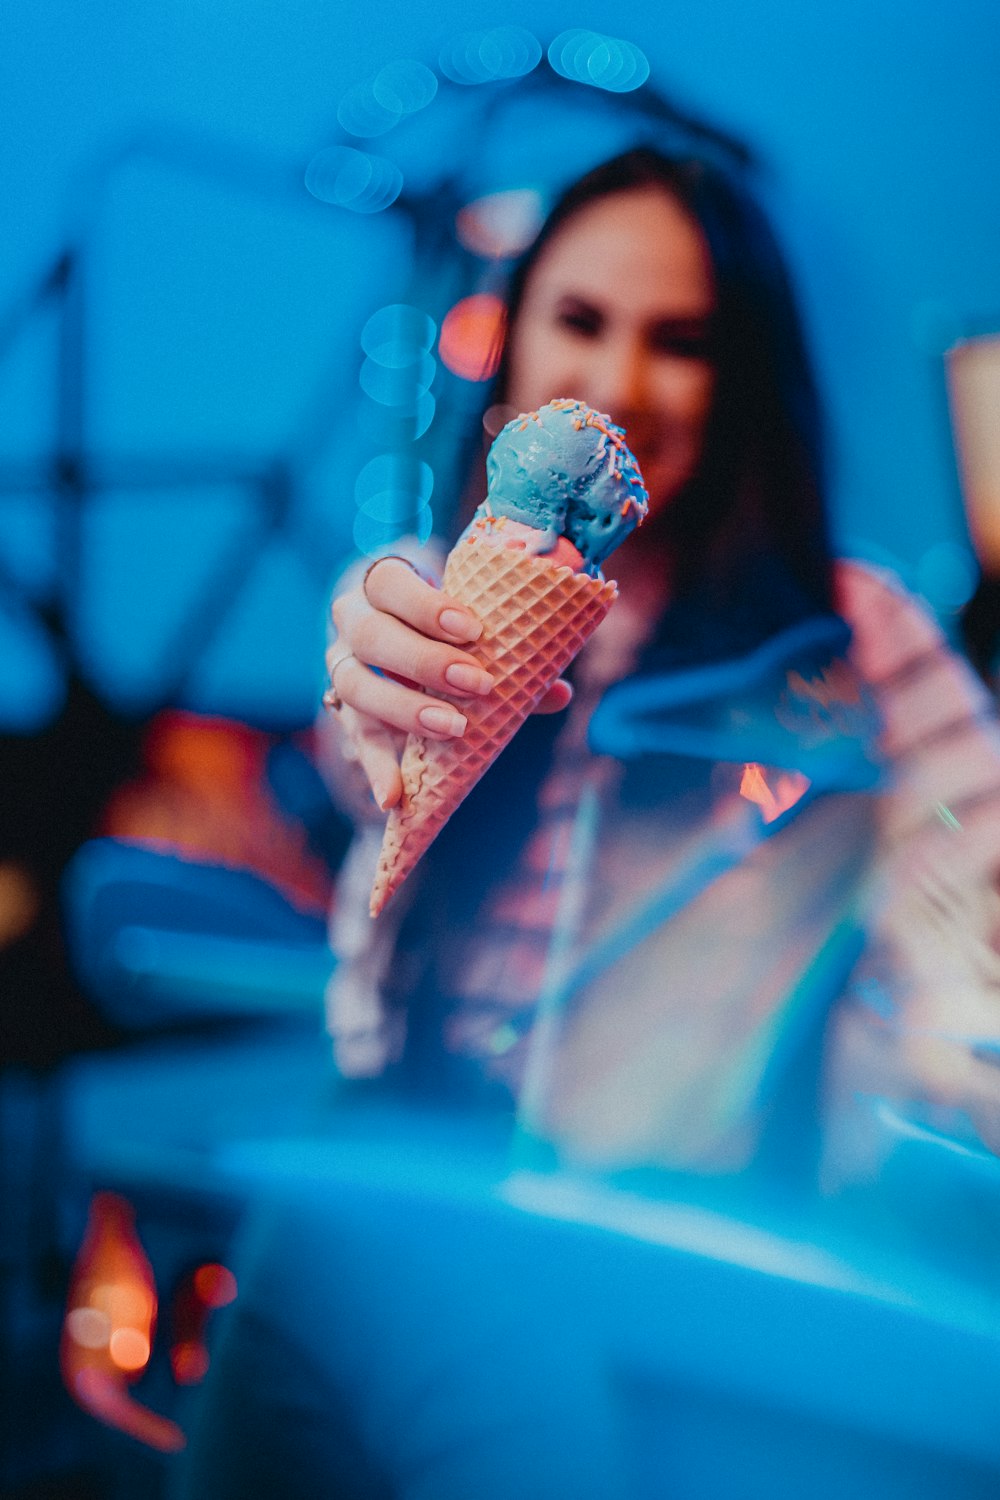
[
  {"x": 392, "y": 586},
  {"x": 395, "y": 705},
  {"x": 397, "y": 667},
  {"x": 557, "y": 698},
  {"x": 383, "y": 639},
  {"x": 377, "y": 751}
]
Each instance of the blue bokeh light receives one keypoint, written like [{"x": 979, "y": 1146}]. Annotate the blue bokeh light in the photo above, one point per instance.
[
  {"x": 404, "y": 87},
  {"x": 509, "y": 52},
  {"x": 422, "y": 415},
  {"x": 392, "y": 493},
  {"x": 357, "y": 180},
  {"x": 339, "y": 175},
  {"x": 398, "y": 385},
  {"x": 486, "y": 56},
  {"x": 603, "y": 61},
  {"x": 371, "y": 535},
  {"x": 363, "y": 113},
  {"x": 396, "y": 335},
  {"x": 393, "y": 485}
]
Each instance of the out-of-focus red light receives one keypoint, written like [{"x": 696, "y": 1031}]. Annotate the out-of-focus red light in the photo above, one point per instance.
[
  {"x": 189, "y": 1362},
  {"x": 472, "y": 336},
  {"x": 198, "y": 1293},
  {"x": 214, "y": 1285}
]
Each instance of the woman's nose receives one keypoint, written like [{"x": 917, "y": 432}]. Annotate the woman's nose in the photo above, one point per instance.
[{"x": 618, "y": 377}]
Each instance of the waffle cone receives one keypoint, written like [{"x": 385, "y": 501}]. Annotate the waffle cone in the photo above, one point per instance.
[{"x": 536, "y": 616}]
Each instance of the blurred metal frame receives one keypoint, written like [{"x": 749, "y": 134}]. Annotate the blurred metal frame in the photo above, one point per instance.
[{"x": 72, "y": 474}]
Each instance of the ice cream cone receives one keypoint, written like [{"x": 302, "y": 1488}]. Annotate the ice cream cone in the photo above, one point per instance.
[{"x": 536, "y": 616}]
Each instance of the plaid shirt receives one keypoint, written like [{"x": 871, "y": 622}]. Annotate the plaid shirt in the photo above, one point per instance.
[{"x": 499, "y": 974}]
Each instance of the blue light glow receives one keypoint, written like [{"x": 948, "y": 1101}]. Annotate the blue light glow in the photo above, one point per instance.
[
  {"x": 568, "y": 52},
  {"x": 357, "y": 180},
  {"x": 393, "y": 486},
  {"x": 398, "y": 386},
  {"x": 423, "y": 414},
  {"x": 509, "y": 52},
  {"x": 31, "y": 676},
  {"x": 485, "y": 56},
  {"x": 383, "y": 190},
  {"x": 339, "y": 175},
  {"x": 393, "y": 494},
  {"x": 404, "y": 87},
  {"x": 370, "y": 535},
  {"x": 363, "y": 113},
  {"x": 603, "y": 61},
  {"x": 397, "y": 335},
  {"x": 946, "y": 575}
]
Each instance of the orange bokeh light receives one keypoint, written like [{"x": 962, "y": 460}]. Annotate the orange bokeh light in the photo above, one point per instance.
[
  {"x": 109, "y": 1325},
  {"x": 128, "y": 1301},
  {"x": 472, "y": 336},
  {"x": 129, "y": 1349},
  {"x": 788, "y": 788}
]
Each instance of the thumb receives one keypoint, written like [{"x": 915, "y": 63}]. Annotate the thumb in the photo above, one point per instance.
[{"x": 557, "y": 697}]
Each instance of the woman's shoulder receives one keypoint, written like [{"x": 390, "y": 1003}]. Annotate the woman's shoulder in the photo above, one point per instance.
[
  {"x": 937, "y": 714},
  {"x": 860, "y": 585},
  {"x": 892, "y": 628}
]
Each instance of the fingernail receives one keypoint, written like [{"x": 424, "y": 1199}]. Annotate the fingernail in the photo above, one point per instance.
[
  {"x": 442, "y": 721},
  {"x": 459, "y": 625},
  {"x": 468, "y": 679}
]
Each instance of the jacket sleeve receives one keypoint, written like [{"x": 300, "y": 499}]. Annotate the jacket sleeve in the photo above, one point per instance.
[
  {"x": 923, "y": 1018},
  {"x": 366, "y": 1034}
]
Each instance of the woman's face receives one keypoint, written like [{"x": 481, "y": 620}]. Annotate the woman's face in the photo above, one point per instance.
[{"x": 617, "y": 312}]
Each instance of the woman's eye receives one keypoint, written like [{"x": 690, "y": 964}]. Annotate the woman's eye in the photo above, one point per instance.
[
  {"x": 587, "y": 324},
  {"x": 683, "y": 342}
]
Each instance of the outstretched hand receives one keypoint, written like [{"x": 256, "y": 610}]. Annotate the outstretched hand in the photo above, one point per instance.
[{"x": 397, "y": 667}]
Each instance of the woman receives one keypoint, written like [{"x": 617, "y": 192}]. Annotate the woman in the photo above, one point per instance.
[
  {"x": 654, "y": 292},
  {"x": 411, "y": 1362}
]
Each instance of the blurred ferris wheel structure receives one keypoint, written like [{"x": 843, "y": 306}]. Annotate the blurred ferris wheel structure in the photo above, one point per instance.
[{"x": 230, "y": 383}]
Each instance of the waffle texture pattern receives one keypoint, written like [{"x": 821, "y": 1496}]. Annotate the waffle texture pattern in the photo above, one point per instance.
[{"x": 536, "y": 617}]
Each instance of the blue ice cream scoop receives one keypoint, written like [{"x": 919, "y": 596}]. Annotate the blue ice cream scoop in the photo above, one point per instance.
[{"x": 567, "y": 471}]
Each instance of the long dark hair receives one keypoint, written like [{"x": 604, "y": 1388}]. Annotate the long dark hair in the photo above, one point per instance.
[{"x": 759, "y": 490}]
